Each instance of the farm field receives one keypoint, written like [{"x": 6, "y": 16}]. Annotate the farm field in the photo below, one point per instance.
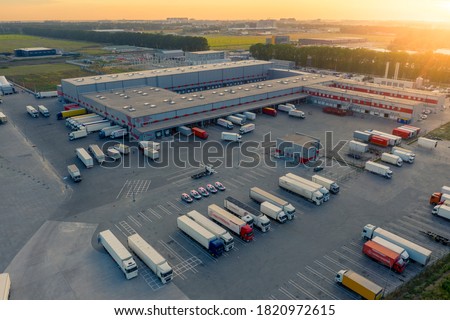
[{"x": 224, "y": 42}]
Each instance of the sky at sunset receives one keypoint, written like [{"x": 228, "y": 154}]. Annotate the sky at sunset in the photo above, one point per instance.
[{"x": 424, "y": 10}]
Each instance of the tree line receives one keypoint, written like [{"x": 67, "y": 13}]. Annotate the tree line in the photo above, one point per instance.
[
  {"x": 435, "y": 67},
  {"x": 149, "y": 40}
]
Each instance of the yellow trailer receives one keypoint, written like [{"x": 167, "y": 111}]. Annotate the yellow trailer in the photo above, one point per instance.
[{"x": 357, "y": 283}]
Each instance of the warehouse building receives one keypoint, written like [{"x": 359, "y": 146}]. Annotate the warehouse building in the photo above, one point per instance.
[
  {"x": 205, "y": 57},
  {"x": 34, "y": 52}
]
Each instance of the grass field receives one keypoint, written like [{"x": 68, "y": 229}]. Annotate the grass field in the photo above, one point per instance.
[
  {"x": 42, "y": 77},
  {"x": 222, "y": 42},
  {"x": 442, "y": 132},
  {"x": 9, "y": 42}
]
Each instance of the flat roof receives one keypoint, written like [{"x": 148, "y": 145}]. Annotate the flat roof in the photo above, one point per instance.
[
  {"x": 365, "y": 95},
  {"x": 162, "y": 72},
  {"x": 205, "y": 52},
  {"x": 150, "y": 100},
  {"x": 35, "y": 49}
]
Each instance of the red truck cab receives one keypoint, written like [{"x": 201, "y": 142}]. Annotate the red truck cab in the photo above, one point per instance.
[
  {"x": 202, "y": 134},
  {"x": 269, "y": 111},
  {"x": 246, "y": 233}
]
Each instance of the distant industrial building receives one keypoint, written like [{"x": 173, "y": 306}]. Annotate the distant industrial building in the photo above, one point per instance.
[
  {"x": 34, "y": 52},
  {"x": 394, "y": 83},
  {"x": 205, "y": 57},
  {"x": 269, "y": 23},
  {"x": 283, "y": 64},
  {"x": 170, "y": 54},
  {"x": 330, "y": 41},
  {"x": 278, "y": 40},
  {"x": 177, "y": 20},
  {"x": 5, "y": 86}
]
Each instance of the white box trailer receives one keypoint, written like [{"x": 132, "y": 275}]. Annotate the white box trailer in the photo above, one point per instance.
[
  {"x": 96, "y": 121},
  {"x": 32, "y": 112},
  {"x": 427, "y": 143},
  {"x": 150, "y": 144},
  {"x": 43, "y": 110},
  {"x": 230, "y": 136},
  {"x": 97, "y": 126},
  {"x": 119, "y": 253},
  {"x": 77, "y": 134},
  {"x": 97, "y": 153},
  {"x": 246, "y": 128},
  {"x": 71, "y": 120},
  {"x": 356, "y": 146},
  {"x": 122, "y": 148},
  {"x": 445, "y": 189},
  {"x": 391, "y": 246},
  {"x": 230, "y": 221},
  {"x": 151, "y": 153},
  {"x": 260, "y": 195},
  {"x": 3, "y": 118},
  {"x": 318, "y": 186},
  {"x": 225, "y": 123},
  {"x": 406, "y": 157},
  {"x": 156, "y": 262},
  {"x": 392, "y": 159},
  {"x": 113, "y": 153},
  {"x": 285, "y": 107},
  {"x": 442, "y": 210},
  {"x": 209, "y": 225},
  {"x": 185, "y": 131},
  {"x": 5, "y": 286},
  {"x": 236, "y": 120},
  {"x": 416, "y": 252},
  {"x": 306, "y": 191},
  {"x": 249, "y": 115},
  {"x": 118, "y": 133},
  {"x": 404, "y": 150},
  {"x": 242, "y": 210},
  {"x": 379, "y": 169},
  {"x": 327, "y": 183},
  {"x": 296, "y": 114},
  {"x": 273, "y": 211},
  {"x": 106, "y": 132},
  {"x": 84, "y": 156}
]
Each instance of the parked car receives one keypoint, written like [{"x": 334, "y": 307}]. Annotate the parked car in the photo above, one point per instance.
[
  {"x": 186, "y": 198},
  {"x": 318, "y": 168},
  {"x": 211, "y": 188},
  {"x": 423, "y": 117},
  {"x": 195, "y": 194},
  {"x": 219, "y": 186},
  {"x": 203, "y": 192}
]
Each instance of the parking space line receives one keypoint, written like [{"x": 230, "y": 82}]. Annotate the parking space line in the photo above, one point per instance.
[
  {"x": 173, "y": 206},
  {"x": 143, "y": 216},
  {"x": 120, "y": 192},
  {"x": 244, "y": 178},
  {"x": 301, "y": 289},
  {"x": 135, "y": 221},
  {"x": 127, "y": 228},
  {"x": 231, "y": 184},
  {"x": 181, "y": 202},
  {"x": 154, "y": 213},
  {"x": 311, "y": 282},
  {"x": 287, "y": 293},
  {"x": 251, "y": 176},
  {"x": 164, "y": 209},
  {"x": 324, "y": 266},
  {"x": 258, "y": 174},
  {"x": 272, "y": 297},
  {"x": 120, "y": 230},
  {"x": 185, "y": 183},
  {"x": 195, "y": 244},
  {"x": 237, "y": 181},
  {"x": 356, "y": 253}
]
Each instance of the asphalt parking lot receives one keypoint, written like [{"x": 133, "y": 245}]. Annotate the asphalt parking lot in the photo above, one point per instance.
[{"x": 297, "y": 260}]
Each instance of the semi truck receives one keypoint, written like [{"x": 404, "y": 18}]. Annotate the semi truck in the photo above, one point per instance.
[
  {"x": 200, "y": 133},
  {"x": 228, "y": 240},
  {"x": 406, "y": 157},
  {"x": 359, "y": 284},
  {"x": 97, "y": 153},
  {"x": 225, "y": 123},
  {"x": 94, "y": 127},
  {"x": 327, "y": 183},
  {"x": 205, "y": 238},
  {"x": 269, "y": 111},
  {"x": 393, "y": 140},
  {"x": 123, "y": 149},
  {"x": 113, "y": 153},
  {"x": 361, "y": 136},
  {"x": 32, "y": 112},
  {"x": 285, "y": 108},
  {"x": 319, "y": 187},
  {"x": 441, "y": 210},
  {"x": 185, "y": 131},
  {"x": 392, "y": 246},
  {"x": 404, "y": 150},
  {"x": 242, "y": 116},
  {"x": 43, "y": 110},
  {"x": 3, "y": 118},
  {"x": 118, "y": 133},
  {"x": 242, "y": 210},
  {"x": 150, "y": 144},
  {"x": 438, "y": 198},
  {"x": 356, "y": 146},
  {"x": 70, "y": 113},
  {"x": 306, "y": 191},
  {"x": 74, "y": 172},
  {"x": 392, "y": 159},
  {"x": 5, "y": 286},
  {"x": 230, "y": 136},
  {"x": 87, "y": 122},
  {"x": 46, "y": 94},
  {"x": 247, "y": 128},
  {"x": 106, "y": 132},
  {"x": 250, "y": 115},
  {"x": 236, "y": 120},
  {"x": 416, "y": 252},
  {"x": 273, "y": 211},
  {"x": 84, "y": 156},
  {"x": 70, "y": 122},
  {"x": 260, "y": 195},
  {"x": 427, "y": 143},
  {"x": 296, "y": 114},
  {"x": 119, "y": 253},
  {"x": 379, "y": 169},
  {"x": 384, "y": 256},
  {"x": 151, "y": 153},
  {"x": 156, "y": 262},
  {"x": 235, "y": 224}
]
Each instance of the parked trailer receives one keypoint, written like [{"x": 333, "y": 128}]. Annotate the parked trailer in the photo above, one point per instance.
[
  {"x": 361, "y": 136},
  {"x": 118, "y": 133},
  {"x": 5, "y": 286},
  {"x": 260, "y": 195},
  {"x": 406, "y": 157},
  {"x": 427, "y": 143},
  {"x": 94, "y": 127},
  {"x": 43, "y": 110},
  {"x": 77, "y": 134},
  {"x": 379, "y": 169},
  {"x": 296, "y": 114},
  {"x": 122, "y": 148},
  {"x": 225, "y": 123},
  {"x": 412, "y": 132},
  {"x": 273, "y": 211},
  {"x": 309, "y": 193},
  {"x": 359, "y": 284},
  {"x": 84, "y": 156},
  {"x": 3, "y": 118},
  {"x": 106, "y": 132},
  {"x": 200, "y": 133},
  {"x": 247, "y": 128},
  {"x": 74, "y": 172},
  {"x": 285, "y": 108},
  {"x": 250, "y": 115},
  {"x": 442, "y": 210},
  {"x": 384, "y": 256},
  {"x": 228, "y": 240},
  {"x": 32, "y": 111},
  {"x": 70, "y": 113},
  {"x": 70, "y": 122},
  {"x": 230, "y": 136},
  {"x": 416, "y": 252},
  {"x": 185, "y": 131},
  {"x": 150, "y": 144},
  {"x": 151, "y": 153},
  {"x": 97, "y": 153},
  {"x": 380, "y": 141},
  {"x": 393, "y": 139},
  {"x": 327, "y": 183},
  {"x": 402, "y": 133},
  {"x": 113, "y": 153},
  {"x": 392, "y": 246},
  {"x": 236, "y": 120},
  {"x": 242, "y": 210},
  {"x": 46, "y": 94},
  {"x": 119, "y": 253},
  {"x": 156, "y": 262},
  {"x": 438, "y": 198},
  {"x": 235, "y": 224},
  {"x": 319, "y": 187},
  {"x": 94, "y": 120},
  {"x": 404, "y": 150},
  {"x": 242, "y": 116},
  {"x": 205, "y": 238},
  {"x": 445, "y": 189},
  {"x": 269, "y": 111},
  {"x": 356, "y": 146},
  {"x": 392, "y": 159}
]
